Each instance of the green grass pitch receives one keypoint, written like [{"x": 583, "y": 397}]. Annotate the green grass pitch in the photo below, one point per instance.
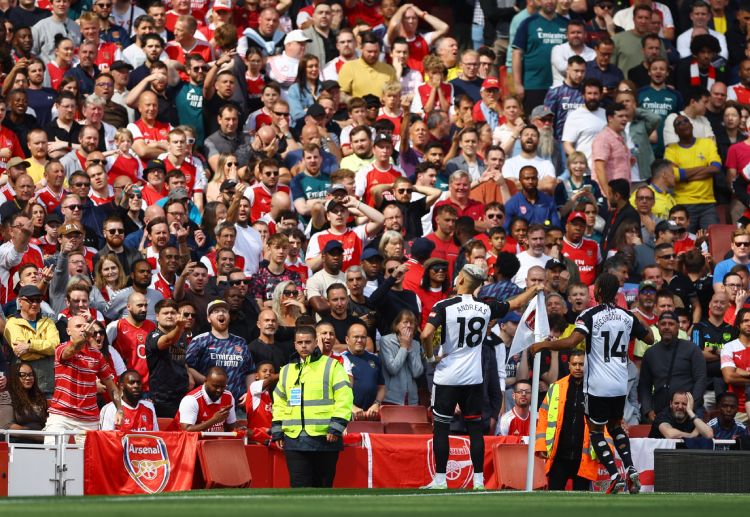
[{"x": 355, "y": 503}]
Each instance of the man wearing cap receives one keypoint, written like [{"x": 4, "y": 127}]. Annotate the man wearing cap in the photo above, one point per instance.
[
  {"x": 283, "y": 68},
  {"x": 346, "y": 44},
  {"x": 489, "y": 107},
  {"x": 331, "y": 273},
  {"x": 16, "y": 167},
  {"x": 646, "y": 302},
  {"x": 218, "y": 347},
  {"x": 566, "y": 97},
  {"x": 669, "y": 366},
  {"x": 532, "y": 50},
  {"x": 382, "y": 171},
  {"x": 366, "y": 74},
  {"x": 353, "y": 240},
  {"x": 584, "y": 252},
  {"x": 32, "y": 337}
]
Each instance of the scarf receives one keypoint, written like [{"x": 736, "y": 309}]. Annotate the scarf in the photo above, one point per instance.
[{"x": 695, "y": 77}]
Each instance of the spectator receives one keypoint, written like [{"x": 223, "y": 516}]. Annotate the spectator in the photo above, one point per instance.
[
  {"x": 209, "y": 407},
  {"x": 678, "y": 420},
  {"x": 78, "y": 365},
  {"x": 575, "y": 35},
  {"x": 27, "y": 409},
  {"x": 628, "y": 52},
  {"x": 566, "y": 96},
  {"x": 601, "y": 68},
  {"x": 135, "y": 414},
  {"x": 140, "y": 279},
  {"x": 530, "y": 204},
  {"x": 609, "y": 149},
  {"x": 44, "y": 32},
  {"x": 695, "y": 111},
  {"x": 366, "y": 74},
  {"x": 401, "y": 358},
  {"x": 740, "y": 256},
  {"x": 340, "y": 316},
  {"x": 165, "y": 352},
  {"x": 515, "y": 422},
  {"x": 670, "y": 367},
  {"x": 724, "y": 425},
  {"x": 266, "y": 348},
  {"x": 620, "y": 210},
  {"x": 369, "y": 384},
  {"x": 283, "y": 68},
  {"x": 390, "y": 297},
  {"x": 583, "y": 124}
]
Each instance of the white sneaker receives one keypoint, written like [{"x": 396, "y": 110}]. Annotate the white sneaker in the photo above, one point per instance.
[
  {"x": 479, "y": 487},
  {"x": 434, "y": 485}
]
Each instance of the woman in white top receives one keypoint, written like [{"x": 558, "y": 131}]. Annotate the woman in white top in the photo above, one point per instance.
[{"x": 507, "y": 135}]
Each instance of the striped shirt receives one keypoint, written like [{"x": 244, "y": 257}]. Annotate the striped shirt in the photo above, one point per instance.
[{"x": 75, "y": 383}]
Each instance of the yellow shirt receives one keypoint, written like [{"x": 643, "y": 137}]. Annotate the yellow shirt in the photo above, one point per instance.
[
  {"x": 357, "y": 78},
  {"x": 701, "y": 154},
  {"x": 36, "y": 170},
  {"x": 720, "y": 24}
]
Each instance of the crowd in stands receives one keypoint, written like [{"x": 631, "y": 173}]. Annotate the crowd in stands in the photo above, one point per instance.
[{"x": 185, "y": 182}]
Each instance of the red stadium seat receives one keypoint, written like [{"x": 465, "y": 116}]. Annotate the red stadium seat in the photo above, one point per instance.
[
  {"x": 510, "y": 467},
  {"x": 164, "y": 423},
  {"x": 720, "y": 240},
  {"x": 411, "y": 414},
  {"x": 364, "y": 426},
  {"x": 408, "y": 428},
  {"x": 639, "y": 431},
  {"x": 224, "y": 463}
]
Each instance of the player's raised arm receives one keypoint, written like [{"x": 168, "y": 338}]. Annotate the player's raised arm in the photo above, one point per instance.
[
  {"x": 520, "y": 301},
  {"x": 560, "y": 344}
]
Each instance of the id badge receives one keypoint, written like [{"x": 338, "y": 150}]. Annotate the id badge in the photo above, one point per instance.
[{"x": 295, "y": 397}]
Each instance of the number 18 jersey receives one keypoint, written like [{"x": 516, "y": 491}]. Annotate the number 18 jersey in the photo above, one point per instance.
[
  {"x": 463, "y": 321},
  {"x": 608, "y": 330}
]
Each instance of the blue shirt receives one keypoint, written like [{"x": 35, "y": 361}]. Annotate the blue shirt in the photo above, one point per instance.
[
  {"x": 368, "y": 375},
  {"x": 561, "y": 101},
  {"x": 723, "y": 267},
  {"x": 502, "y": 290},
  {"x": 543, "y": 210},
  {"x": 232, "y": 354},
  {"x": 609, "y": 77}
]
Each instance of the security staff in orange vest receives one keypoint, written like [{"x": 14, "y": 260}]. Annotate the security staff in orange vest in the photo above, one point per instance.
[{"x": 562, "y": 437}]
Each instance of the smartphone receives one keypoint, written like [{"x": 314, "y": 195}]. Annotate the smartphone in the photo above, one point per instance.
[{"x": 587, "y": 187}]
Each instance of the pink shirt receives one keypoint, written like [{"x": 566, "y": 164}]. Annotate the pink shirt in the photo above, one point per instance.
[{"x": 611, "y": 147}]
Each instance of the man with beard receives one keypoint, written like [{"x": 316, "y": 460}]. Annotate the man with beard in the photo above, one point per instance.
[
  {"x": 340, "y": 316},
  {"x": 549, "y": 147},
  {"x": 366, "y": 74},
  {"x": 584, "y": 123},
  {"x": 266, "y": 348},
  {"x": 531, "y": 204},
  {"x": 260, "y": 193},
  {"x": 165, "y": 277},
  {"x": 128, "y": 336},
  {"x": 413, "y": 208},
  {"x": 75, "y": 160},
  {"x": 165, "y": 356},
  {"x": 17, "y": 120},
  {"x": 209, "y": 407},
  {"x": 658, "y": 98},
  {"x": 199, "y": 292},
  {"x": 644, "y": 311},
  {"x": 609, "y": 150},
  {"x": 140, "y": 277},
  {"x": 114, "y": 236},
  {"x": 218, "y": 347},
  {"x": 679, "y": 421},
  {"x": 317, "y": 285},
  {"x": 528, "y": 158},
  {"x": 573, "y": 47},
  {"x": 671, "y": 365},
  {"x": 86, "y": 71},
  {"x": 567, "y": 96},
  {"x": 137, "y": 414}
]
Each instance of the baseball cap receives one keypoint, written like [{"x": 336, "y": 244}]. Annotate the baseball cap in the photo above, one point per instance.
[
  {"x": 316, "y": 110},
  {"x": 490, "y": 82},
  {"x": 296, "y": 36},
  {"x": 541, "y": 112},
  {"x": 179, "y": 193},
  {"x": 53, "y": 218},
  {"x": 647, "y": 284},
  {"x": 16, "y": 161},
  {"x": 333, "y": 245},
  {"x": 155, "y": 165},
  {"x": 554, "y": 263},
  {"x": 336, "y": 186},
  {"x": 512, "y": 317},
  {"x": 222, "y": 5},
  {"x": 668, "y": 315},
  {"x": 329, "y": 85},
  {"x": 371, "y": 253},
  {"x": 382, "y": 137},
  {"x": 475, "y": 272},
  {"x": 663, "y": 226},
  {"x": 334, "y": 204},
  {"x": 576, "y": 215},
  {"x": 120, "y": 65},
  {"x": 421, "y": 248},
  {"x": 28, "y": 291},
  {"x": 70, "y": 227},
  {"x": 215, "y": 305}
]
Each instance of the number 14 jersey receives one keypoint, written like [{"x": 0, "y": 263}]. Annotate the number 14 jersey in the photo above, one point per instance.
[
  {"x": 462, "y": 323},
  {"x": 608, "y": 330}
]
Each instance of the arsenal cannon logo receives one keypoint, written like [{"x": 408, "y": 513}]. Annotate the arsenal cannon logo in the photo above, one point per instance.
[
  {"x": 146, "y": 461},
  {"x": 460, "y": 470}
]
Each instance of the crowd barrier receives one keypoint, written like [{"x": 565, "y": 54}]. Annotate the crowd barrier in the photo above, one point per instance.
[{"x": 119, "y": 463}]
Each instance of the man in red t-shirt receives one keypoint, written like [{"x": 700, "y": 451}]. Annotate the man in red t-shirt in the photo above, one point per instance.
[
  {"x": 128, "y": 335},
  {"x": 209, "y": 407},
  {"x": 78, "y": 365},
  {"x": 260, "y": 193},
  {"x": 459, "y": 188},
  {"x": 149, "y": 134},
  {"x": 584, "y": 252},
  {"x": 137, "y": 414},
  {"x": 443, "y": 236},
  {"x": 380, "y": 172},
  {"x": 516, "y": 421}
]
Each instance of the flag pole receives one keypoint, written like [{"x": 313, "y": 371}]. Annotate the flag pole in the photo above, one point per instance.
[{"x": 534, "y": 403}]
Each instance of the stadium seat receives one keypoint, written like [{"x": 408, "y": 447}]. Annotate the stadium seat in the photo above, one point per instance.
[
  {"x": 411, "y": 414},
  {"x": 510, "y": 467},
  {"x": 639, "y": 431},
  {"x": 364, "y": 426},
  {"x": 720, "y": 240},
  {"x": 164, "y": 423},
  {"x": 224, "y": 463},
  {"x": 408, "y": 428}
]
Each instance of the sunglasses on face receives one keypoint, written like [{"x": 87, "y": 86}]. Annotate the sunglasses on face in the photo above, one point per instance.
[
  {"x": 243, "y": 281},
  {"x": 666, "y": 257},
  {"x": 405, "y": 190},
  {"x": 494, "y": 216},
  {"x": 188, "y": 315},
  {"x": 271, "y": 173},
  {"x": 439, "y": 269},
  {"x": 98, "y": 333},
  {"x": 96, "y": 161},
  {"x": 74, "y": 207},
  {"x": 742, "y": 244},
  {"x": 281, "y": 113},
  {"x": 81, "y": 184},
  {"x": 290, "y": 293},
  {"x": 32, "y": 300},
  {"x": 135, "y": 196},
  {"x": 116, "y": 231}
]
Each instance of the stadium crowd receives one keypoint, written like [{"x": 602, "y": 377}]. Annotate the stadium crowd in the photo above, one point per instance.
[{"x": 186, "y": 182}]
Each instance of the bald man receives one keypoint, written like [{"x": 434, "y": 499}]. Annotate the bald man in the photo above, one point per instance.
[
  {"x": 128, "y": 336},
  {"x": 149, "y": 134},
  {"x": 310, "y": 134}
]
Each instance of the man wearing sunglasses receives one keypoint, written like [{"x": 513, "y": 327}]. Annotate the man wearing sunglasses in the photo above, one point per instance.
[
  {"x": 260, "y": 193},
  {"x": 189, "y": 97},
  {"x": 740, "y": 256},
  {"x": 33, "y": 338},
  {"x": 114, "y": 237}
]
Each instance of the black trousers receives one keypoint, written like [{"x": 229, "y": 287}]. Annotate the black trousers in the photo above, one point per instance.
[
  {"x": 562, "y": 470},
  {"x": 314, "y": 469},
  {"x": 166, "y": 410},
  {"x": 532, "y": 99}
]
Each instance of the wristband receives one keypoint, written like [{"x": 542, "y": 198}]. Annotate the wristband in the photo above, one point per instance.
[{"x": 682, "y": 174}]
